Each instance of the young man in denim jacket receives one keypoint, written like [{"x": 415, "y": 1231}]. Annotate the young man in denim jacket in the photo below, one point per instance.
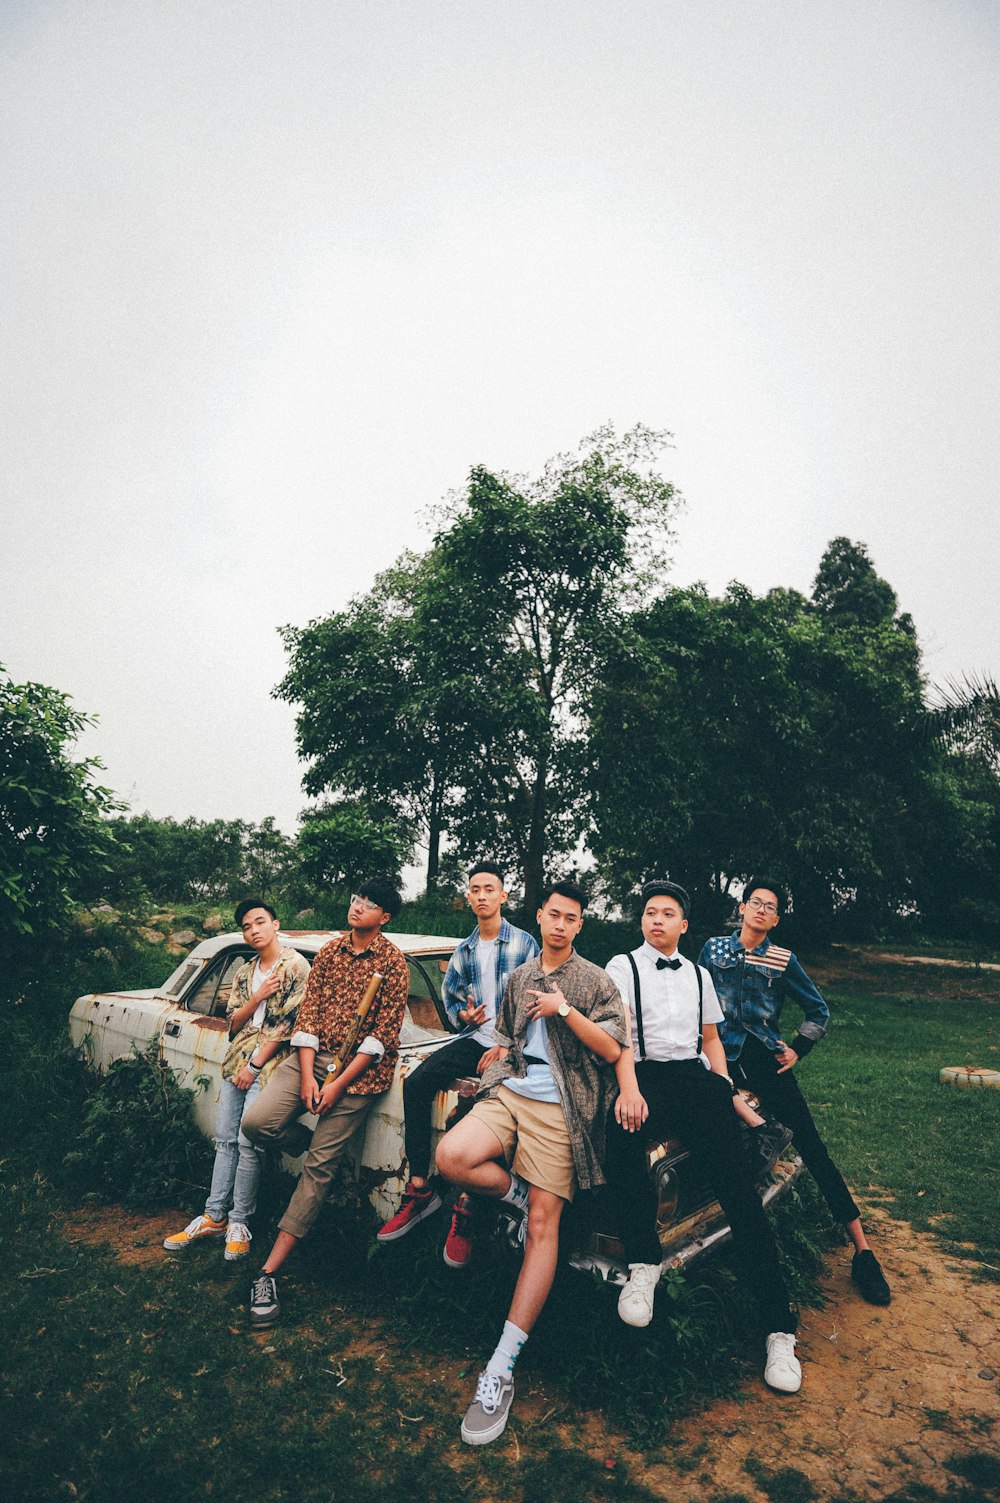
[
  {"x": 473, "y": 987},
  {"x": 753, "y": 980}
]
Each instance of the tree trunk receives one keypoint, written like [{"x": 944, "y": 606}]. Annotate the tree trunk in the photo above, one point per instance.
[
  {"x": 534, "y": 860},
  {"x": 434, "y": 830}
]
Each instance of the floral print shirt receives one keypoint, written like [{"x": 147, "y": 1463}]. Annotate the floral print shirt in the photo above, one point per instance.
[
  {"x": 280, "y": 1010},
  {"x": 337, "y": 983}
]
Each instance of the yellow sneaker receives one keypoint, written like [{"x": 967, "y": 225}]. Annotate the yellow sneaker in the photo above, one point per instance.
[
  {"x": 238, "y": 1237},
  {"x": 201, "y": 1226}
]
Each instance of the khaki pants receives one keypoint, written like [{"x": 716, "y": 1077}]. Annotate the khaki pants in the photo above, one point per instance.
[{"x": 267, "y": 1122}]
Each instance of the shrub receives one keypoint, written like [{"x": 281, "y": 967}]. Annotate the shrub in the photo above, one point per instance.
[{"x": 137, "y": 1142}]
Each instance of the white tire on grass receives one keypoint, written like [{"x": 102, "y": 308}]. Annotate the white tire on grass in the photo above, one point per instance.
[{"x": 969, "y": 1077}]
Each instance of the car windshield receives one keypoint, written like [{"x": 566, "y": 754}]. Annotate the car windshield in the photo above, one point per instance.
[
  {"x": 177, "y": 982},
  {"x": 427, "y": 1018},
  {"x": 204, "y": 986}
]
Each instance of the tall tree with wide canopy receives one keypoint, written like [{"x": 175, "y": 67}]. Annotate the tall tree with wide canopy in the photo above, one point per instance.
[
  {"x": 483, "y": 651},
  {"x": 383, "y": 701}
]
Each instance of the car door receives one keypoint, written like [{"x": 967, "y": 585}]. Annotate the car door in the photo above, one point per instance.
[{"x": 195, "y": 1038}]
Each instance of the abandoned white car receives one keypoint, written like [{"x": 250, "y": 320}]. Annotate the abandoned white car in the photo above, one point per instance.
[{"x": 187, "y": 1016}]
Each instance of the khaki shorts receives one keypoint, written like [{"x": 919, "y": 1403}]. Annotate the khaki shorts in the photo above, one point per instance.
[{"x": 535, "y": 1132}]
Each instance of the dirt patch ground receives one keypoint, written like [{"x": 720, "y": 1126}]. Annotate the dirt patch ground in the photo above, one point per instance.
[
  {"x": 887, "y": 1395},
  {"x": 134, "y": 1239}
]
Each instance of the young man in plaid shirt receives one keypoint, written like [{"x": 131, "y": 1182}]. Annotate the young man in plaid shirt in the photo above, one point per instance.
[{"x": 473, "y": 987}]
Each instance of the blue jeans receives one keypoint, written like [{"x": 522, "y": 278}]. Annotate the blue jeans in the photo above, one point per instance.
[{"x": 237, "y": 1162}]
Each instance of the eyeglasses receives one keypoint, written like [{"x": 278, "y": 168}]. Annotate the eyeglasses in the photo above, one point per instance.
[
  {"x": 365, "y": 904},
  {"x": 764, "y": 907}
]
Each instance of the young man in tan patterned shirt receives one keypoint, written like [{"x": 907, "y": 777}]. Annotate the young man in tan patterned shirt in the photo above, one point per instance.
[
  {"x": 537, "y": 1130},
  {"x": 337, "y": 982}
]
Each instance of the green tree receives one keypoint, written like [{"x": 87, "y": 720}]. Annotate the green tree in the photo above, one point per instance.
[
  {"x": 455, "y": 689},
  {"x": 957, "y": 889},
  {"x": 171, "y": 860},
  {"x": 53, "y": 835},
  {"x": 379, "y": 718},
  {"x": 268, "y": 859},
  {"x": 775, "y": 732},
  {"x": 848, "y": 589},
  {"x": 342, "y": 841}
]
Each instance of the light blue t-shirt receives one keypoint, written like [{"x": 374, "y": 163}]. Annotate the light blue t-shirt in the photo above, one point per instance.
[{"x": 539, "y": 1084}]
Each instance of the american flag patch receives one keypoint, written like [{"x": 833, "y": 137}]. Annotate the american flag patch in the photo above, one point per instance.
[{"x": 773, "y": 959}]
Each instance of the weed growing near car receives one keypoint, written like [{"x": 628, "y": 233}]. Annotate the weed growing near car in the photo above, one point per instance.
[{"x": 135, "y": 1142}]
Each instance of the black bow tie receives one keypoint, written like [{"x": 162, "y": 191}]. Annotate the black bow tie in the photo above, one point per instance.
[{"x": 673, "y": 965}]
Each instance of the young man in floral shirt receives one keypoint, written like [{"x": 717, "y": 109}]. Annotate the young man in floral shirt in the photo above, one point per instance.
[
  {"x": 337, "y": 982},
  {"x": 263, "y": 1004}
]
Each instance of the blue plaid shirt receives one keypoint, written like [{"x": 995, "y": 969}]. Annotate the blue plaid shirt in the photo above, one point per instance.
[
  {"x": 513, "y": 948},
  {"x": 753, "y": 986}
]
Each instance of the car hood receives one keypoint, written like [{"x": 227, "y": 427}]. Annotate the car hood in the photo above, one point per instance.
[{"x": 147, "y": 995}]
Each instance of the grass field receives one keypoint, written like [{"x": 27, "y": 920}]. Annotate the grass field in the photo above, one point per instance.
[
  {"x": 131, "y": 1376},
  {"x": 925, "y": 1151}
]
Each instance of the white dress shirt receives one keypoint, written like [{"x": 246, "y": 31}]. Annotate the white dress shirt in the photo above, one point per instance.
[{"x": 669, "y": 1003}]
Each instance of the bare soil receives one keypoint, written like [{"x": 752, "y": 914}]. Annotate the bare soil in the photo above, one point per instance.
[{"x": 887, "y": 1394}]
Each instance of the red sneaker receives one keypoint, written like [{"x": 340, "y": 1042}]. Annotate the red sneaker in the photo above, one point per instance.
[
  {"x": 458, "y": 1243},
  {"x": 416, "y": 1206}
]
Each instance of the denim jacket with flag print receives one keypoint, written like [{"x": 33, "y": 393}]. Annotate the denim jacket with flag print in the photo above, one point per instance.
[{"x": 753, "y": 986}]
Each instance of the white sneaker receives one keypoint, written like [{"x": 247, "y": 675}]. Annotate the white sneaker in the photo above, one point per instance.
[
  {"x": 782, "y": 1370},
  {"x": 635, "y": 1303}
]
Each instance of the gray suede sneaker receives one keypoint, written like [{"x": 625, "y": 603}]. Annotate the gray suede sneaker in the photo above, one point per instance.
[
  {"x": 265, "y": 1306},
  {"x": 487, "y": 1415}
]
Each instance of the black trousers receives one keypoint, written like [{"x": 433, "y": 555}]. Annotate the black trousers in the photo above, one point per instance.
[
  {"x": 780, "y": 1097},
  {"x": 434, "y": 1074},
  {"x": 685, "y": 1098}
]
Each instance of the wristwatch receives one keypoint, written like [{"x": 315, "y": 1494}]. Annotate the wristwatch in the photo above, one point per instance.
[{"x": 562, "y": 1010}]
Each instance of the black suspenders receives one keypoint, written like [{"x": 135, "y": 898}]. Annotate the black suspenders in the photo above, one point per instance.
[
  {"x": 640, "y": 1038},
  {"x": 637, "y": 989}
]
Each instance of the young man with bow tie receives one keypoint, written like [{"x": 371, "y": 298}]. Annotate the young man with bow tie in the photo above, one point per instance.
[{"x": 674, "y": 1017}]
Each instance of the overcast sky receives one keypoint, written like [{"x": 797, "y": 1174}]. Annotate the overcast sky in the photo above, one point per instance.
[{"x": 273, "y": 277}]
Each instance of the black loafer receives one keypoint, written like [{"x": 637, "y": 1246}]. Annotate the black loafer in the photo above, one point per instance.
[
  {"x": 868, "y": 1278},
  {"x": 765, "y": 1145}
]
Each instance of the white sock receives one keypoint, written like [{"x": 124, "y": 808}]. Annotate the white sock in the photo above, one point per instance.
[
  {"x": 501, "y": 1364},
  {"x": 517, "y": 1194}
]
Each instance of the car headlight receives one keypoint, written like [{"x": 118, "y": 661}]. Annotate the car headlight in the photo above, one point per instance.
[{"x": 668, "y": 1194}]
